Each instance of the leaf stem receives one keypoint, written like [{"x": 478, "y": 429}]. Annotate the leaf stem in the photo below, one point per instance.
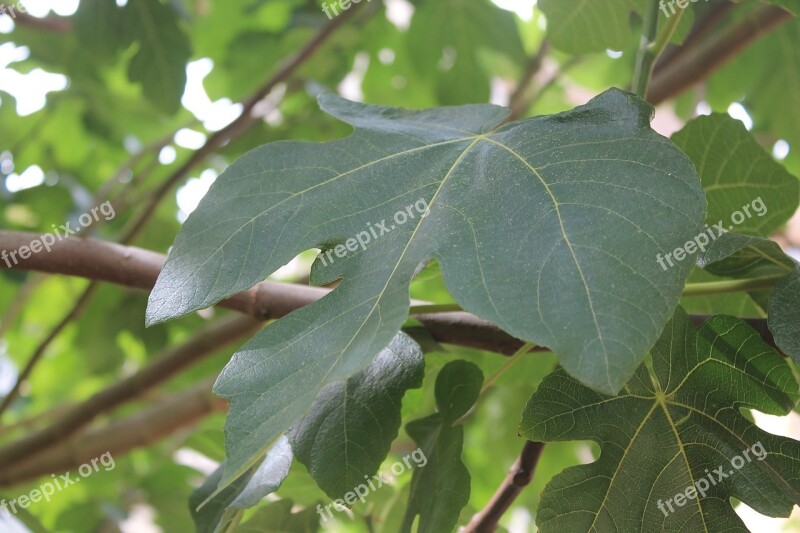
[
  {"x": 651, "y": 46},
  {"x": 735, "y": 285},
  {"x": 525, "y": 348},
  {"x": 434, "y": 308},
  {"x": 691, "y": 289}
]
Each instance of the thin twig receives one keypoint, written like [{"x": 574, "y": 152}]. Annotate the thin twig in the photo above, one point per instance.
[
  {"x": 557, "y": 75},
  {"x": 76, "y": 310},
  {"x": 242, "y": 122},
  {"x": 163, "y": 418},
  {"x": 201, "y": 345},
  {"x": 518, "y": 103},
  {"x": 517, "y": 479}
]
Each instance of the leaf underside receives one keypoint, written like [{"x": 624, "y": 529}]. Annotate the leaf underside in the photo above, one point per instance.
[
  {"x": 347, "y": 434},
  {"x": 669, "y": 429}
]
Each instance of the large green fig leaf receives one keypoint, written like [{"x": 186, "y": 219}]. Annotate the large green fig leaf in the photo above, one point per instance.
[
  {"x": 674, "y": 430},
  {"x": 548, "y": 227},
  {"x": 347, "y": 434},
  {"x": 440, "y": 484}
]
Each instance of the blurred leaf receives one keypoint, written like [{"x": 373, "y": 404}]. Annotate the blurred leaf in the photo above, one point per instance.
[
  {"x": 440, "y": 487},
  {"x": 98, "y": 24},
  {"x": 578, "y": 26},
  {"x": 737, "y": 174},
  {"x": 278, "y": 518},
  {"x": 445, "y": 38},
  {"x": 164, "y": 49}
]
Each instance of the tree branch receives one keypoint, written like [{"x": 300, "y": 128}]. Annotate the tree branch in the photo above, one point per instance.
[
  {"x": 517, "y": 479},
  {"x": 138, "y": 268},
  {"x": 51, "y": 23},
  {"x": 163, "y": 418},
  {"x": 242, "y": 122},
  {"x": 201, "y": 345},
  {"x": 715, "y": 15},
  {"x": 134, "y": 267},
  {"x": 520, "y": 100},
  {"x": 215, "y": 141},
  {"x": 702, "y": 59}
]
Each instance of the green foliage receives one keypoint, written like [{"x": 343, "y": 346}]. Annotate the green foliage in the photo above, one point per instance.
[
  {"x": 445, "y": 39},
  {"x": 348, "y": 431},
  {"x": 743, "y": 257},
  {"x": 557, "y": 180},
  {"x": 734, "y": 171},
  {"x": 278, "y": 518},
  {"x": 577, "y": 26},
  {"x": 547, "y": 228},
  {"x": 440, "y": 486}
]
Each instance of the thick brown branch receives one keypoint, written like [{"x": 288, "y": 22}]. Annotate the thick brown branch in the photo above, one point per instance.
[
  {"x": 517, "y": 479},
  {"x": 705, "y": 57},
  {"x": 135, "y": 267},
  {"x": 142, "y": 429},
  {"x": 51, "y": 23},
  {"x": 202, "y": 344},
  {"x": 701, "y": 30},
  {"x": 520, "y": 100},
  {"x": 138, "y": 268}
]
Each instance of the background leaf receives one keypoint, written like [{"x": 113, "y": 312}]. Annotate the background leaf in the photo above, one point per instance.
[
  {"x": 440, "y": 488},
  {"x": 734, "y": 171},
  {"x": 159, "y": 65}
]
